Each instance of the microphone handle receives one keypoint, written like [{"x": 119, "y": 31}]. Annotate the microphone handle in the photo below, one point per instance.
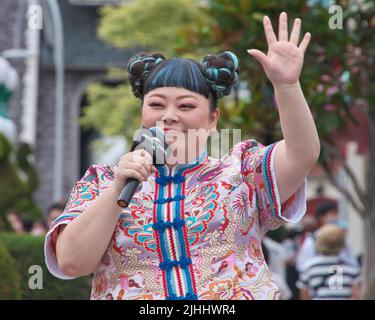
[{"x": 128, "y": 192}]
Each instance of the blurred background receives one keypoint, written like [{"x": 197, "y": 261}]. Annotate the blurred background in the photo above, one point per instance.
[{"x": 65, "y": 104}]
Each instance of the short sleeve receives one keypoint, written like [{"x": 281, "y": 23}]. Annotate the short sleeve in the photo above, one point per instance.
[
  {"x": 84, "y": 192},
  {"x": 303, "y": 281},
  {"x": 258, "y": 171}
]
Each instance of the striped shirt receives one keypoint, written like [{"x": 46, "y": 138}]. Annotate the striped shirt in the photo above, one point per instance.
[{"x": 329, "y": 277}]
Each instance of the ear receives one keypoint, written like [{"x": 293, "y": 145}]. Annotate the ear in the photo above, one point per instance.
[{"x": 215, "y": 115}]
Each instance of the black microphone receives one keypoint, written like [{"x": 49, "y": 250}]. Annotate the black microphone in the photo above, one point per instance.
[{"x": 153, "y": 141}]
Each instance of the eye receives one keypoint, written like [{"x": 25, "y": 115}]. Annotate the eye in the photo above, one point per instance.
[
  {"x": 155, "y": 104},
  {"x": 187, "y": 106}
]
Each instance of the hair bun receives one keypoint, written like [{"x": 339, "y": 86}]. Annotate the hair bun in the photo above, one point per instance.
[
  {"x": 139, "y": 67},
  {"x": 221, "y": 72}
]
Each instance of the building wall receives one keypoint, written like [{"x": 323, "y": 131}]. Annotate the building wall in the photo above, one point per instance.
[
  {"x": 8, "y": 9},
  {"x": 75, "y": 85}
]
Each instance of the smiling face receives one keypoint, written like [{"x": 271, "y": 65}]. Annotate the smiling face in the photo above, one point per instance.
[{"x": 185, "y": 117}]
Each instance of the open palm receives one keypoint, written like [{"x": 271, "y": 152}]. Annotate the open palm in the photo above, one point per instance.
[{"x": 284, "y": 59}]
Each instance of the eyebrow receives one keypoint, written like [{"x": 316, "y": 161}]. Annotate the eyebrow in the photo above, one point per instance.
[{"x": 178, "y": 98}]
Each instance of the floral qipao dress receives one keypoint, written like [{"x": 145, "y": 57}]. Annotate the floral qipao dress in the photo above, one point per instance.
[{"x": 192, "y": 232}]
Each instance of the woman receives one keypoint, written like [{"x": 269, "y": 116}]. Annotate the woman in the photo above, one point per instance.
[{"x": 193, "y": 227}]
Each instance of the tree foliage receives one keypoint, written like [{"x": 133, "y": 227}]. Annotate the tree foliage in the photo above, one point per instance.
[
  {"x": 19, "y": 180},
  {"x": 338, "y": 77},
  {"x": 194, "y": 30}
]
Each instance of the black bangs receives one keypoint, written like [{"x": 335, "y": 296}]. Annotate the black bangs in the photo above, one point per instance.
[{"x": 180, "y": 73}]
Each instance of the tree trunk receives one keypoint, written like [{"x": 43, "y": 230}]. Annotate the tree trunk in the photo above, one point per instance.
[
  {"x": 369, "y": 257},
  {"x": 369, "y": 214}
]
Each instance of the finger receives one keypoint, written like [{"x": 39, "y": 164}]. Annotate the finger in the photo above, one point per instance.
[
  {"x": 283, "y": 27},
  {"x": 305, "y": 42},
  {"x": 268, "y": 30},
  {"x": 259, "y": 55},
  {"x": 294, "y": 37},
  {"x": 130, "y": 173},
  {"x": 139, "y": 168},
  {"x": 130, "y": 156},
  {"x": 139, "y": 152},
  {"x": 142, "y": 161},
  {"x": 148, "y": 158},
  {"x": 136, "y": 154}
]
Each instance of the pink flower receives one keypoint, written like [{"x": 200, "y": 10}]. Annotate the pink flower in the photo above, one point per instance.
[
  {"x": 332, "y": 90},
  {"x": 325, "y": 78},
  {"x": 354, "y": 69},
  {"x": 330, "y": 107},
  {"x": 319, "y": 88},
  {"x": 357, "y": 52}
]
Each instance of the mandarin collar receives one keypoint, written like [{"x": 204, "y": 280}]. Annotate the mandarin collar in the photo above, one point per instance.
[{"x": 179, "y": 169}]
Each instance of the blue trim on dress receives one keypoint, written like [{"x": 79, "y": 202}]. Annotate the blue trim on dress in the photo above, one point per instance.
[
  {"x": 267, "y": 177},
  {"x": 164, "y": 180},
  {"x": 169, "y": 199},
  {"x": 186, "y": 271},
  {"x": 163, "y": 244},
  {"x": 160, "y": 226},
  {"x": 186, "y": 166},
  {"x": 64, "y": 216},
  {"x": 189, "y": 296},
  {"x": 177, "y": 224}
]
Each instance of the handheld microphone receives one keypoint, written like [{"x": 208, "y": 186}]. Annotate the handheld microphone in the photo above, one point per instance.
[{"x": 153, "y": 141}]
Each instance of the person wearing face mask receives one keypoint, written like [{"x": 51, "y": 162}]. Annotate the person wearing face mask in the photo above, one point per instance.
[{"x": 193, "y": 228}]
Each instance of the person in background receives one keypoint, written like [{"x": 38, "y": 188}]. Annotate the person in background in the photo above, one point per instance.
[
  {"x": 39, "y": 228},
  {"x": 15, "y": 221},
  {"x": 326, "y": 213},
  {"x": 326, "y": 275},
  {"x": 27, "y": 224},
  {"x": 309, "y": 225},
  {"x": 291, "y": 246},
  {"x": 54, "y": 211}
]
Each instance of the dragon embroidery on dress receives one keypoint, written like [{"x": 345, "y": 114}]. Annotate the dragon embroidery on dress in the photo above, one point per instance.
[
  {"x": 203, "y": 206},
  {"x": 241, "y": 205},
  {"x": 226, "y": 208},
  {"x": 136, "y": 223},
  {"x": 227, "y": 289},
  {"x": 82, "y": 195},
  {"x": 210, "y": 172}
]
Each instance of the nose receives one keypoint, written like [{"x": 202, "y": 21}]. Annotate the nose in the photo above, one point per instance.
[{"x": 170, "y": 115}]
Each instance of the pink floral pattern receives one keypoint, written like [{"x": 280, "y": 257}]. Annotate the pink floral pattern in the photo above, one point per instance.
[{"x": 227, "y": 205}]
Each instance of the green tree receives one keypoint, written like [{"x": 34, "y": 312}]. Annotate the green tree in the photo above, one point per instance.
[
  {"x": 152, "y": 25},
  {"x": 338, "y": 75},
  {"x": 19, "y": 180}
]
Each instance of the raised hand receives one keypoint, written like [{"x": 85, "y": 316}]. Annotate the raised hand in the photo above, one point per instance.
[{"x": 284, "y": 60}]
